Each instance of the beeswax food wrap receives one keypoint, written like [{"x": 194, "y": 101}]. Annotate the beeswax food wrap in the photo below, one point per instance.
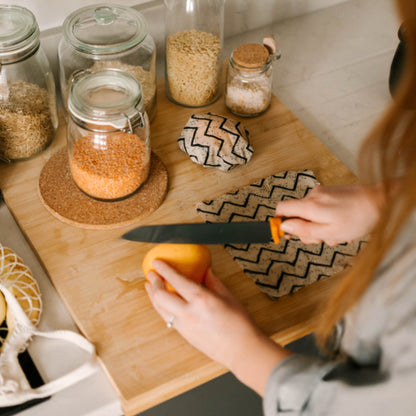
[
  {"x": 215, "y": 141},
  {"x": 277, "y": 269}
]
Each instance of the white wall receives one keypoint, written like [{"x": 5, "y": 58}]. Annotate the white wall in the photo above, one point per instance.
[
  {"x": 52, "y": 13},
  {"x": 245, "y": 15},
  {"x": 241, "y": 15}
]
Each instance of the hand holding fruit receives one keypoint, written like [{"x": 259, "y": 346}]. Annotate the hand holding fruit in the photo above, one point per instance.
[
  {"x": 211, "y": 319},
  {"x": 191, "y": 260}
]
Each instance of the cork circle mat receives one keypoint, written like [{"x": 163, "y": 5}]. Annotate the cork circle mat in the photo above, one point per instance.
[{"x": 63, "y": 199}]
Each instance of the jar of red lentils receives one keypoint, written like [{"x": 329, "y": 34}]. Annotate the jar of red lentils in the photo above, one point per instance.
[{"x": 108, "y": 134}]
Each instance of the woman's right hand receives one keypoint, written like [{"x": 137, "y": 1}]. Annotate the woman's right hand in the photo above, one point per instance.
[
  {"x": 332, "y": 214},
  {"x": 211, "y": 319}
]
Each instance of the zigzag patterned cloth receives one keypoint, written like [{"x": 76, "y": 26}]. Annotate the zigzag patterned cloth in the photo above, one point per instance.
[
  {"x": 215, "y": 141},
  {"x": 280, "y": 269}
]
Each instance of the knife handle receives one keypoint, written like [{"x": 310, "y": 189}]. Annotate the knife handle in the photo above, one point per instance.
[{"x": 275, "y": 229}]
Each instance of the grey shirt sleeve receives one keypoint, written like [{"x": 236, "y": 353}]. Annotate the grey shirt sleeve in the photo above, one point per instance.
[
  {"x": 309, "y": 386},
  {"x": 380, "y": 340},
  {"x": 292, "y": 383}
]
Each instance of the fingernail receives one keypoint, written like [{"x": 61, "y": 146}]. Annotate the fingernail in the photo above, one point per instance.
[
  {"x": 287, "y": 227},
  {"x": 151, "y": 276},
  {"x": 157, "y": 263}
]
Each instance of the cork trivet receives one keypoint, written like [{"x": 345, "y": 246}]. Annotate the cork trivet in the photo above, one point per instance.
[
  {"x": 68, "y": 203},
  {"x": 251, "y": 55}
]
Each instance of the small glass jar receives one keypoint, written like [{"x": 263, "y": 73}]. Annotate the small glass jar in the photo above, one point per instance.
[
  {"x": 28, "y": 113},
  {"x": 193, "y": 46},
  {"x": 248, "y": 88},
  {"x": 108, "y": 134},
  {"x": 105, "y": 36}
]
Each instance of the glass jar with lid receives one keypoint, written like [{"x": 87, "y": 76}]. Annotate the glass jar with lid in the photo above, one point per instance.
[
  {"x": 248, "y": 88},
  {"x": 105, "y": 36},
  {"x": 108, "y": 134},
  {"x": 28, "y": 113},
  {"x": 193, "y": 46}
]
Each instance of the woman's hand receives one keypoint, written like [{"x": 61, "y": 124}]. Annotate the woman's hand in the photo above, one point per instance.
[
  {"x": 213, "y": 320},
  {"x": 333, "y": 214}
]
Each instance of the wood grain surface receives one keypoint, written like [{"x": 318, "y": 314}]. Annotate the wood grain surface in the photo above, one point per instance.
[{"x": 99, "y": 277}]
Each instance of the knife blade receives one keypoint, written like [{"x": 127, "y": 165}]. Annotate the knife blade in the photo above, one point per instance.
[{"x": 209, "y": 233}]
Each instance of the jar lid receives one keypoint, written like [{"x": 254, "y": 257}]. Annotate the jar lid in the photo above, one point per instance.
[
  {"x": 109, "y": 97},
  {"x": 251, "y": 55},
  {"x": 104, "y": 28},
  {"x": 19, "y": 34}
]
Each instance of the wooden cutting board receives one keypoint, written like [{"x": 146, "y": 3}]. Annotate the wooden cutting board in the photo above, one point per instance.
[{"x": 99, "y": 276}]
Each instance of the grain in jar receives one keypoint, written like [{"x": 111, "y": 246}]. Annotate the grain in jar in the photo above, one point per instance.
[
  {"x": 192, "y": 65},
  {"x": 108, "y": 134},
  {"x": 249, "y": 78},
  {"x": 104, "y": 36},
  {"x": 146, "y": 78},
  {"x": 193, "y": 47},
  {"x": 26, "y": 125},
  {"x": 113, "y": 170},
  {"x": 28, "y": 113}
]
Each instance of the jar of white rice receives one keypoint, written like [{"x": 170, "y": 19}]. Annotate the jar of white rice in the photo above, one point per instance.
[{"x": 194, "y": 38}]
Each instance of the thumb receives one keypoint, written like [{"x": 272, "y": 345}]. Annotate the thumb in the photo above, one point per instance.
[{"x": 308, "y": 232}]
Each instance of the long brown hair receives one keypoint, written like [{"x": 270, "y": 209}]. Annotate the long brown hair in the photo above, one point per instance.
[{"x": 388, "y": 157}]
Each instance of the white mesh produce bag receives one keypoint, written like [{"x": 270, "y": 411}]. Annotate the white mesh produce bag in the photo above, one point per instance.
[{"x": 21, "y": 306}]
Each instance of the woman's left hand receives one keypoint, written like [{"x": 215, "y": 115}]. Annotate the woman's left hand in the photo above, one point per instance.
[{"x": 213, "y": 320}]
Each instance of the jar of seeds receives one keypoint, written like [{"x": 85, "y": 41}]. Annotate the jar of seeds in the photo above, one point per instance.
[
  {"x": 106, "y": 36},
  {"x": 248, "y": 89},
  {"x": 108, "y": 134},
  {"x": 28, "y": 114},
  {"x": 194, "y": 38}
]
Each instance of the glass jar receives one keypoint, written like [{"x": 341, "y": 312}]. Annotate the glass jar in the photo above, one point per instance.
[
  {"x": 28, "y": 113},
  {"x": 109, "y": 36},
  {"x": 248, "y": 88},
  {"x": 193, "y": 46},
  {"x": 108, "y": 134}
]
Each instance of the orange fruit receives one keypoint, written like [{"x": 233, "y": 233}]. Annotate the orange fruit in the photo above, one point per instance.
[{"x": 190, "y": 260}]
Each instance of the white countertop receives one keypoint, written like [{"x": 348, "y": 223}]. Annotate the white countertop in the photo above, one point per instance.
[{"x": 333, "y": 75}]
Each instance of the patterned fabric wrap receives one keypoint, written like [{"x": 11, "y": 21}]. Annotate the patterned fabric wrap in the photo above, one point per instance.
[
  {"x": 280, "y": 269},
  {"x": 215, "y": 141}
]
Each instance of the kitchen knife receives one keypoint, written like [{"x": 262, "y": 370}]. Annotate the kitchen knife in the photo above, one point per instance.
[{"x": 210, "y": 233}]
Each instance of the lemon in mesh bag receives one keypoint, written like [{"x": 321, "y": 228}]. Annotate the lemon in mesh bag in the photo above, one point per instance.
[{"x": 17, "y": 277}]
